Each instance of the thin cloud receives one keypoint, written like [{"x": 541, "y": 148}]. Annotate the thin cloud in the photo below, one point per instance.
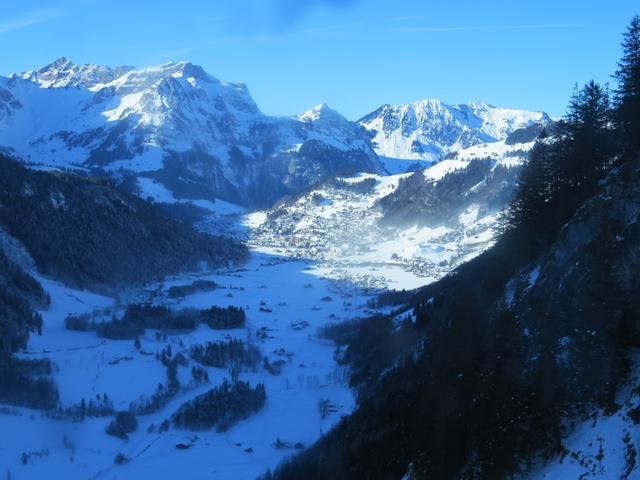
[
  {"x": 34, "y": 17},
  {"x": 493, "y": 28}
]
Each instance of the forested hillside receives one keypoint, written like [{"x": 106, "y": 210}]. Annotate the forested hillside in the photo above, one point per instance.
[
  {"x": 87, "y": 232},
  {"x": 21, "y": 382},
  {"x": 519, "y": 344}
]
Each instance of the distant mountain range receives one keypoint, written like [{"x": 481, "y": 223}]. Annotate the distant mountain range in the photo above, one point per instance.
[
  {"x": 204, "y": 138},
  {"x": 430, "y": 129},
  {"x": 199, "y": 136}
]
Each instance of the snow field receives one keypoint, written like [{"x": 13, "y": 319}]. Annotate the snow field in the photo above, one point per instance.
[{"x": 291, "y": 413}]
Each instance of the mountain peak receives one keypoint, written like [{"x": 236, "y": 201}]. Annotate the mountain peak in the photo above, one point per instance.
[
  {"x": 59, "y": 63},
  {"x": 480, "y": 105},
  {"x": 429, "y": 129},
  {"x": 62, "y": 73},
  {"x": 56, "y": 68},
  {"x": 187, "y": 70},
  {"x": 320, "y": 112},
  {"x": 176, "y": 118}
]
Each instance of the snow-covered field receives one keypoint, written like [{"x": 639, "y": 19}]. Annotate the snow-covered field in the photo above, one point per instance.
[
  {"x": 87, "y": 366},
  {"x": 155, "y": 191}
]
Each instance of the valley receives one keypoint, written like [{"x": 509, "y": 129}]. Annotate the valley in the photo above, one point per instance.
[
  {"x": 250, "y": 329},
  {"x": 193, "y": 288},
  {"x": 316, "y": 259},
  {"x": 285, "y": 305}
]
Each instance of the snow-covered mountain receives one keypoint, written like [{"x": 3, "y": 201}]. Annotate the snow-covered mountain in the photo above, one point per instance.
[
  {"x": 480, "y": 178},
  {"x": 399, "y": 231},
  {"x": 199, "y": 136},
  {"x": 430, "y": 129}
]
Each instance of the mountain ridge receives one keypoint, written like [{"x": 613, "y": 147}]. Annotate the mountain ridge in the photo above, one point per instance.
[
  {"x": 205, "y": 138},
  {"x": 429, "y": 129},
  {"x": 175, "y": 115}
]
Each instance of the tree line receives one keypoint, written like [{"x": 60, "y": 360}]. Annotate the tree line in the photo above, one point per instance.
[{"x": 138, "y": 317}]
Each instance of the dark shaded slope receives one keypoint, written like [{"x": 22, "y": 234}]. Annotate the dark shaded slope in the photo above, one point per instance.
[
  {"x": 514, "y": 346},
  {"x": 87, "y": 232},
  {"x": 523, "y": 341},
  {"x": 21, "y": 382}
]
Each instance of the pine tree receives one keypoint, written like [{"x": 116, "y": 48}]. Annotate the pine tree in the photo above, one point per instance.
[
  {"x": 531, "y": 211},
  {"x": 628, "y": 91},
  {"x": 563, "y": 170},
  {"x": 585, "y": 137}
]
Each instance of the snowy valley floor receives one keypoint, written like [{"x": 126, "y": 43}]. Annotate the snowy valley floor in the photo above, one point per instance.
[
  {"x": 297, "y": 296},
  {"x": 316, "y": 260},
  {"x": 87, "y": 366}
]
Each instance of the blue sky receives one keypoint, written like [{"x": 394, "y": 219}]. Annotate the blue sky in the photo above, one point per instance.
[{"x": 354, "y": 54}]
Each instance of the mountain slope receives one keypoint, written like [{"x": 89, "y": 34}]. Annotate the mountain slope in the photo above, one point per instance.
[
  {"x": 429, "y": 129},
  {"x": 399, "y": 231},
  {"x": 479, "y": 178},
  {"x": 202, "y": 137},
  {"x": 516, "y": 347},
  {"x": 89, "y": 233},
  {"x": 22, "y": 382}
]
